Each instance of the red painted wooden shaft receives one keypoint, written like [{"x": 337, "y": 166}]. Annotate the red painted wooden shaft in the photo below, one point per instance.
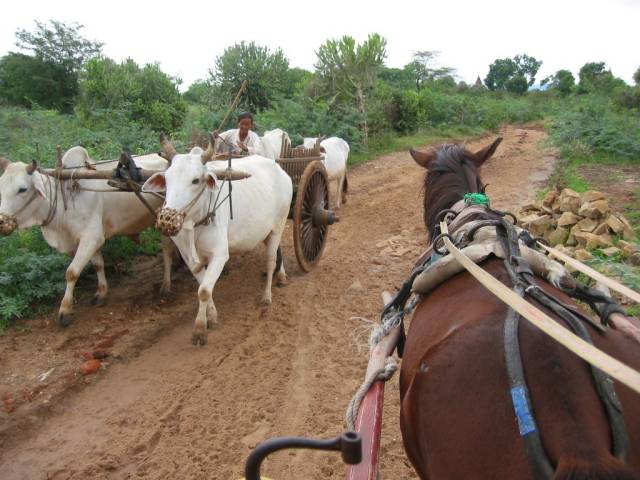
[{"x": 369, "y": 426}]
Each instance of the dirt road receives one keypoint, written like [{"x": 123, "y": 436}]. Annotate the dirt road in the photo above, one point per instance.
[{"x": 162, "y": 408}]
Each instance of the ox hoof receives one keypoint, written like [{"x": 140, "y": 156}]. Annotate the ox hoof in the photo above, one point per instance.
[
  {"x": 98, "y": 301},
  {"x": 281, "y": 279},
  {"x": 265, "y": 302},
  {"x": 64, "y": 319},
  {"x": 199, "y": 338},
  {"x": 211, "y": 325},
  {"x": 165, "y": 290}
]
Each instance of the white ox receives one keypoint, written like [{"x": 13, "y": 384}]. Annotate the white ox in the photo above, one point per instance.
[
  {"x": 29, "y": 198},
  {"x": 260, "y": 209},
  {"x": 336, "y": 153},
  {"x": 271, "y": 143}
]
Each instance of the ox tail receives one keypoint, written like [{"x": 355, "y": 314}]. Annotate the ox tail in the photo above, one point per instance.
[
  {"x": 589, "y": 468},
  {"x": 345, "y": 185}
]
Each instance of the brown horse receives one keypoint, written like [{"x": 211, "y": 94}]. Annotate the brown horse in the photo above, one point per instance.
[{"x": 457, "y": 416}]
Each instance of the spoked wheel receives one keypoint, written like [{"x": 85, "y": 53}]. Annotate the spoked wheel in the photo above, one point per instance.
[{"x": 311, "y": 215}]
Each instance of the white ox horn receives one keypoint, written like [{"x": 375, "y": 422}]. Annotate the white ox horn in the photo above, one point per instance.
[
  {"x": 209, "y": 152},
  {"x": 4, "y": 163},
  {"x": 32, "y": 168},
  {"x": 167, "y": 149}
]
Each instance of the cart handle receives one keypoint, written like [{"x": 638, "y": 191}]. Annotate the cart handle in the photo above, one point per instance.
[{"x": 349, "y": 444}]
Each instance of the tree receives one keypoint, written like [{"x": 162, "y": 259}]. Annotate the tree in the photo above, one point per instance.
[
  {"x": 503, "y": 70},
  {"x": 199, "y": 92},
  {"x": 146, "y": 95},
  {"x": 30, "y": 82},
  {"x": 48, "y": 77},
  {"x": 636, "y": 76},
  {"x": 59, "y": 43},
  {"x": 296, "y": 81},
  {"x": 517, "y": 84},
  {"x": 563, "y": 81},
  {"x": 595, "y": 78},
  {"x": 500, "y": 71},
  {"x": 422, "y": 69},
  {"x": 399, "y": 78},
  {"x": 348, "y": 72},
  {"x": 527, "y": 67},
  {"x": 266, "y": 72}
]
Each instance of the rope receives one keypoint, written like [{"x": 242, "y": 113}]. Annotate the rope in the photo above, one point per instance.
[
  {"x": 382, "y": 374},
  {"x": 392, "y": 319}
]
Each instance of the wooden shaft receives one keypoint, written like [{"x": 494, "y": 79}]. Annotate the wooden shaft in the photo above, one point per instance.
[
  {"x": 541, "y": 320},
  {"x": 581, "y": 267},
  {"x": 629, "y": 326},
  {"x": 81, "y": 174},
  {"x": 369, "y": 419}
]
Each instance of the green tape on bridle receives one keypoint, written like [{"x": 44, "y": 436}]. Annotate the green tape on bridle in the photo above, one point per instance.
[{"x": 476, "y": 199}]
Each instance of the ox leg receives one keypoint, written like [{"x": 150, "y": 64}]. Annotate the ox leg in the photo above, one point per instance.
[
  {"x": 167, "y": 259},
  {"x": 272, "y": 243},
  {"x": 98, "y": 264},
  {"x": 281, "y": 275},
  {"x": 342, "y": 189},
  {"x": 87, "y": 249},
  {"x": 207, "y": 310},
  {"x": 212, "y": 313}
]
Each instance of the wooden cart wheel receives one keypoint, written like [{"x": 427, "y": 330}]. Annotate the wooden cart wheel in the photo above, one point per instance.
[{"x": 311, "y": 217}]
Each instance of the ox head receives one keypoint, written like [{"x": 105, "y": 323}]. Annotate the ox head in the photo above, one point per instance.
[
  {"x": 21, "y": 186},
  {"x": 186, "y": 183}
]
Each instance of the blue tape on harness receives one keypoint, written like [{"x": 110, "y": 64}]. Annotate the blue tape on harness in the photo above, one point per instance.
[{"x": 526, "y": 423}]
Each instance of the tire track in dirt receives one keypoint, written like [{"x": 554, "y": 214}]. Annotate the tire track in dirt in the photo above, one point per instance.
[{"x": 170, "y": 410}]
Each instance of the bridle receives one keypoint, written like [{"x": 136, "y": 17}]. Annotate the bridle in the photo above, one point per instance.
[
  {"x": 53, "y": 207},
  {"x": 170, "y": 220}
]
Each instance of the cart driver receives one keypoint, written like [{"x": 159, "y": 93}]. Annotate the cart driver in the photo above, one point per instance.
[{"x": 242, "y": 139}]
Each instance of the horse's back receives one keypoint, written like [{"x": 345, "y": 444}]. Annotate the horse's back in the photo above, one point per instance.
[{"x": 457, "y": 416}]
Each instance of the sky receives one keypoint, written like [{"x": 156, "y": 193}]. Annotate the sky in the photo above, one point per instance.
[{"x": 186, "y": 36}]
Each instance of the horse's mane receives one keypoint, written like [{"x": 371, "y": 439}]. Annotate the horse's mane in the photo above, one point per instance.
[{"x": 449, "y": 177}]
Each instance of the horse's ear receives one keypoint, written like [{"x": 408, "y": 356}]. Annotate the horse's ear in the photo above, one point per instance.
[
  {"x": 484, "y": 154},
  {"x": 423, "y": 158}
]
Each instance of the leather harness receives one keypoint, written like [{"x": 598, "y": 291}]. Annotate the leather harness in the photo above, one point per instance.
[{"x": 524, "y": 283}]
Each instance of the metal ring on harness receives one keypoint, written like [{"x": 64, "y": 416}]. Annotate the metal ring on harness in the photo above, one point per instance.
[
  {"x": 483, "y": 223},
  {"x": 507, "y": 214},
  {"x": 443, "y": 214},
  {"x": 437, "y": 239}
]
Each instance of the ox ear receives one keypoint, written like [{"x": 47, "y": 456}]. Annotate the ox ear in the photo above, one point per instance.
[
  {"x": 211, "y": 179},
  {"x": 484, "y": 154},
  {"x": 38, "y": 184},
  {"x": 423, "y": 158},
  {"x": 156, "y": 183}
]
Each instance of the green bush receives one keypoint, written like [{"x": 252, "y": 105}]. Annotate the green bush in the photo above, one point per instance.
[
  {"x": 145, "y": 95},
  {"x": 30, "y": 273},
  {"x": 34, "y": 134},
  {"x": 587, "y": 125}
]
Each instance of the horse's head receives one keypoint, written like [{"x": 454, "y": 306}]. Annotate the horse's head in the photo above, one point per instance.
[{"x": 452, "y": 172}]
